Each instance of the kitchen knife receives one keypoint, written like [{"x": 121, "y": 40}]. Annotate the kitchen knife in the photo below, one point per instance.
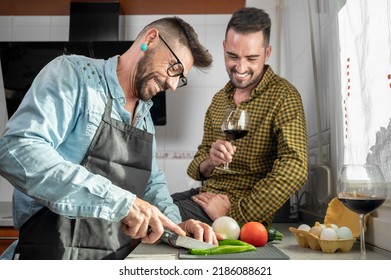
[{"x": 184, "y": 241}]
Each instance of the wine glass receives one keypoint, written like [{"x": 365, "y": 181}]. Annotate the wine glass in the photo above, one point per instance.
[
  {"x": 362, "y": 189},
  {"x": 235, "y": 125}
]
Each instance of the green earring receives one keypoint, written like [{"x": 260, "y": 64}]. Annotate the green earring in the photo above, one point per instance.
[{"x": 144, "y": 47}]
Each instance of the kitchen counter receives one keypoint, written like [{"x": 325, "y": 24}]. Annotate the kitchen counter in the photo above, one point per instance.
[
  {"x": 288, "y": 246},
  {"x": 6, "y": 214}
]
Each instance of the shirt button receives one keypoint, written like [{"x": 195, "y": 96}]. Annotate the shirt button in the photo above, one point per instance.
[{"x": 112, "y": 216}]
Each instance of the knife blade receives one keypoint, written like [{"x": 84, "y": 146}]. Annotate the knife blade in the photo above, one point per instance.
[{"x": 184, "y": 241}]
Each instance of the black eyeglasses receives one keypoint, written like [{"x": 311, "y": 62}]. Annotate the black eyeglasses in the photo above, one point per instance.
[{"x": 176, "y": 70}]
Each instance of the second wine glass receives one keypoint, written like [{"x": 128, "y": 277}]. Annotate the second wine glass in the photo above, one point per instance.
[
  {"x": 362, "y": 189},
  {"x": 235, "y": 125}
]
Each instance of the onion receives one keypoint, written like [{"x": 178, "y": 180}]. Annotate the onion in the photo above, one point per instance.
[{"x": 227, "y": 227}]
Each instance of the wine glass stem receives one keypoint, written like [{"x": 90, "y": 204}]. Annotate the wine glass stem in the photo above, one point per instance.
[
  {"x": 362, "y": 238},
  {"x": 226, "y": 164}
]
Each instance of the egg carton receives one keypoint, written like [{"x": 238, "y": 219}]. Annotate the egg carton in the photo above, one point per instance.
[{"x": 306, "y": 239}]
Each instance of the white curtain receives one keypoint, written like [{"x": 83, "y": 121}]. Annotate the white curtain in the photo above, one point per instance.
[{"x": 365, "y": 67}]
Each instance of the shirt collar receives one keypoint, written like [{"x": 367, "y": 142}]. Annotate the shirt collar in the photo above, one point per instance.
[{"x": 110, "y": 71}]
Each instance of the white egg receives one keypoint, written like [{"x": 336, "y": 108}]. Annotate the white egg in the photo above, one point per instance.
[
  {"x": 323, "y": 226},
  {"x": 334, "y": 227},
  {"x": 344, "y": 233},
  {"x": 304, "y": 227},
  {"x": 328, "y": 234}
]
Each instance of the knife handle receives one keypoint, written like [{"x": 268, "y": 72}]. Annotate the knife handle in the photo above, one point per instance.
[{"x": 167, "y": 238}]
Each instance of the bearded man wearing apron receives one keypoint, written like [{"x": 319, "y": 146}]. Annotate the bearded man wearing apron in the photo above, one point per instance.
[{"x": 80, "y": 151}]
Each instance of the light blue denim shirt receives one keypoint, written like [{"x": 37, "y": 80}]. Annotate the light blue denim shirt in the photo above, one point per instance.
[{"x": 48, "y": 136}]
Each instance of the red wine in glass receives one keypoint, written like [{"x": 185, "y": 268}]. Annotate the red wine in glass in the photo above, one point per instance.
[
  {"x": 234, "y": 134},
  {"x": 235, "y": 125},
  {"x": 362, "y": 205},
  {"x": 362, "y": 189}
]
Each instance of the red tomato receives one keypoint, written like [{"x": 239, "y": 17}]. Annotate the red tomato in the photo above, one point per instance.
[{"x": 254, "y": 233}]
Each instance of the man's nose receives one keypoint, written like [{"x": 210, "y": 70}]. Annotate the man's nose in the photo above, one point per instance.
[
  {"x": 173, "y": 83},
  {"x": 241, "y": 66}
]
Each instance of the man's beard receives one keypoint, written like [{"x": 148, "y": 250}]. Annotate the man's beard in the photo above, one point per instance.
[
  {"x": 245, "y": 83},
  {"x": 141, "y": 90}
]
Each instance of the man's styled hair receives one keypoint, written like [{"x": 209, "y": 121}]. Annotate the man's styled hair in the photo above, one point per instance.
[
  {"x": 174, "y": 29},
  {"x": 250, "y": 20}
]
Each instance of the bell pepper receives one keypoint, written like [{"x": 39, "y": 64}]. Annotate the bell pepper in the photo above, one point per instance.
[{"x": 226, "y": 246}]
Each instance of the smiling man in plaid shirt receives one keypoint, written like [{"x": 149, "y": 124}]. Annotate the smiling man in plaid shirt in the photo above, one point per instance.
[{"x": 270, "y": 163}]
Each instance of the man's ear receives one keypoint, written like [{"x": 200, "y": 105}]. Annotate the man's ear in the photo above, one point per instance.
[
  {"x": 268, "y": 52},
  {"x": 150, "y": 36}
]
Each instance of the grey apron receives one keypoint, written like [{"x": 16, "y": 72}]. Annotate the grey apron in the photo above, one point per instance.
[{"x": 123, "y": 154}]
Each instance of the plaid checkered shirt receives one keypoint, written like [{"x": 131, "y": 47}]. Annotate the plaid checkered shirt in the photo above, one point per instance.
[{"x": 270, "y": 163}]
